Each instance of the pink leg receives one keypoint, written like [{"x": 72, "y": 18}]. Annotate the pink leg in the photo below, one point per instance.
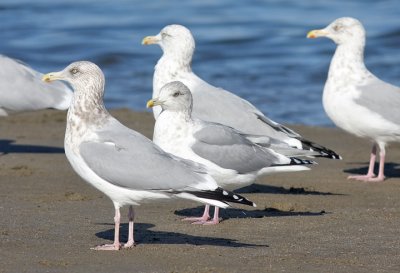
[
  {"x": 370, "y": 173},
  {"x": 116, "y": 245},
  {"x": 215, "y": 219},
  {"x": 131, "y": 216},
  {"x": 205, "y": 217},
  {"x": 381, "y": 174}
]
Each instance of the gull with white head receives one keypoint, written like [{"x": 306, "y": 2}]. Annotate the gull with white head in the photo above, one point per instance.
[
  {"x": 123, "y": 164},
  {"x": 216, "y": 104},
  {"x": 354, "y": 98},
  {"x": 230, "y": 157},
  {"x": 21, "y": 89}
]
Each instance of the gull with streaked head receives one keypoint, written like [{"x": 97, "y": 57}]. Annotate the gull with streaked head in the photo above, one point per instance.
[
  {"x": 354, "y": 98},
  {"x": 120, "y": 162}
]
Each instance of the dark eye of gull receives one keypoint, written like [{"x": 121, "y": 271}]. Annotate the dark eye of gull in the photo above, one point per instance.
[
  {"x": 74, "y": 71},
  {"x": 164, "y": 35},
  {"x": 337, "y": 27},
  {"x": 177, "y": 93}
]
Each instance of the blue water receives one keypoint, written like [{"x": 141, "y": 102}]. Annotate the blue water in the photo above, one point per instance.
[{"x": 256, "y": 49}]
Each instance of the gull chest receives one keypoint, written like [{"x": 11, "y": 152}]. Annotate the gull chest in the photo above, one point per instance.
[{"x": 172, "y": 133}]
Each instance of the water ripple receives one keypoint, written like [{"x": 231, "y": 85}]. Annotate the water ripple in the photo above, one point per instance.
[{"x": 256, "y": 48}]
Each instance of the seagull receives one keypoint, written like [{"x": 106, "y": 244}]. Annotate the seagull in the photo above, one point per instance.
[
  {"x": 354, "y": 98},
  {"x": 216, "y": 104},
  {"x": 21, "y": 89},
  {"x": 232, "y": 159},
  {"x": 120, "y": 162}
]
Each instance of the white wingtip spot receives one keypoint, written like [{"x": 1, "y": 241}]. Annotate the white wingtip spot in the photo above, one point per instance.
[
  {"x": 225, "y": 193},
  {"x": 235, "y": 197}
]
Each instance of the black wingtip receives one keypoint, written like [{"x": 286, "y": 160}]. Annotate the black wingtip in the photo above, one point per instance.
[
  {"x": 224, "y": 196},
  {"x": 323, "y": 151},
  {"x": 299, "y": 161}
]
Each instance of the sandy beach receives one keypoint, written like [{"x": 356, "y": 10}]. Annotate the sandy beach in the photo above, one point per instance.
[{"x": 314, "y": 221}]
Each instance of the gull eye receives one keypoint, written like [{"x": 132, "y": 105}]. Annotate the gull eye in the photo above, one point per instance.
[
  {"x": 164, "y": 35},
  {"x": 74, "y": 71},
  {"x": 337, "y": 28},
  {"x": 176, "y": 94}
]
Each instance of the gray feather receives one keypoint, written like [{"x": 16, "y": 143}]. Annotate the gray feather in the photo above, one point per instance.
[
  {"x": 134, "y": 159},
  {"x": 21, "y": 89},
  {"x": 381, "y": 98},
  {"x": 227, "y": 148}
]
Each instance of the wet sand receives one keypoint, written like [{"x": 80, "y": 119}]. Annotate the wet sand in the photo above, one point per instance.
[{"x": 314, "y": 221}]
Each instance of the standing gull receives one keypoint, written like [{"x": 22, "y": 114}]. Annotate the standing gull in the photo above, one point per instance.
[
  {"x": 21, "y": 89},
  {"x": 120, "y": 162},
  {"x": 212, "y": 103},
  {"x": 354, "y": 98},
  {"x": 233, "y": 160}
]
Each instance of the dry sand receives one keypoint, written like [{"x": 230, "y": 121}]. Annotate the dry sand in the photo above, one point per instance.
[{"x": 315, "y": 221}]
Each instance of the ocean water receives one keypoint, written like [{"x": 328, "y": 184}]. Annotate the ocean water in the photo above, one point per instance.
[{"x": 256, "y": 49}]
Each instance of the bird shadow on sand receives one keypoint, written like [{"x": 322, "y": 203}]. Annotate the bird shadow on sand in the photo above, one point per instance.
[
  {"x": 144, "y": 235},
  {"x": 260, "y": 188},
  {"x": 8, "y": 146},
  {"x": 391, "y": 169},
  {"x": 231, "y": 213}
]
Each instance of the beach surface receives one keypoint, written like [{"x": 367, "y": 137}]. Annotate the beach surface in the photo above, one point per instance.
[{"x": 313, "y": 221}]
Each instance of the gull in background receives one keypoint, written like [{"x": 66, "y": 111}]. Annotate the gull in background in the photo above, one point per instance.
[
  {"x": 231, "y": 158},
  {"x": 354, "y": 98},
  {"x": 216, "y": 104},
  {"x": 21, "y": 89},
  {"x": 120, "y": 162}
]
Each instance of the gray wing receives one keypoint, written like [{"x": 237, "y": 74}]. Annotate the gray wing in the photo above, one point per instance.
[
  {"x": 127, "y": 159},
  {"x": 218, "y": 105},
  {"x": 22, "y": 89},
  {"x": 278, "y": 127},
  {"x": 382, "y": 98},
  {"x": 229, "y": 149}
]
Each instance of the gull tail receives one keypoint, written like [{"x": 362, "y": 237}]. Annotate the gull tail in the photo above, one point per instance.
[
  {"x": 322, "y": 151},
  {"x": 218, "y": 197},
  {"x": 299, "y": 161},
  {"x": 296, "y": 161},
  {"x": 296, "y": 140},
  {"x": 295, "y": 165}
]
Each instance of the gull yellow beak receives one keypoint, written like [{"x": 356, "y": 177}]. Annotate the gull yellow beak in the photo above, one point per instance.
[
  {"x": 316, "y": 33},
  {"x": 149, "y": 40},
  {"x": 151, "y": 103},
  {"x": 49, "y": 77}
]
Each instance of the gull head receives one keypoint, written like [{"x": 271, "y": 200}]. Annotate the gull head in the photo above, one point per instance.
[
  {"x": 175, "y": 40},
  {"x": 344, "y": 30},
  {"x": 174, "y": 96},
  {"x": 80, "y": 75}
]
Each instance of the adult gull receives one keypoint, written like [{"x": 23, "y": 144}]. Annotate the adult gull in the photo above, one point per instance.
[
  {"x": 354, "y": 98},
  {"x": 123, "y": 164},
  {"x": 21, "y": 89},
  {"x": 212, "y": 103},
  {"x": 231, "y": 158}
]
